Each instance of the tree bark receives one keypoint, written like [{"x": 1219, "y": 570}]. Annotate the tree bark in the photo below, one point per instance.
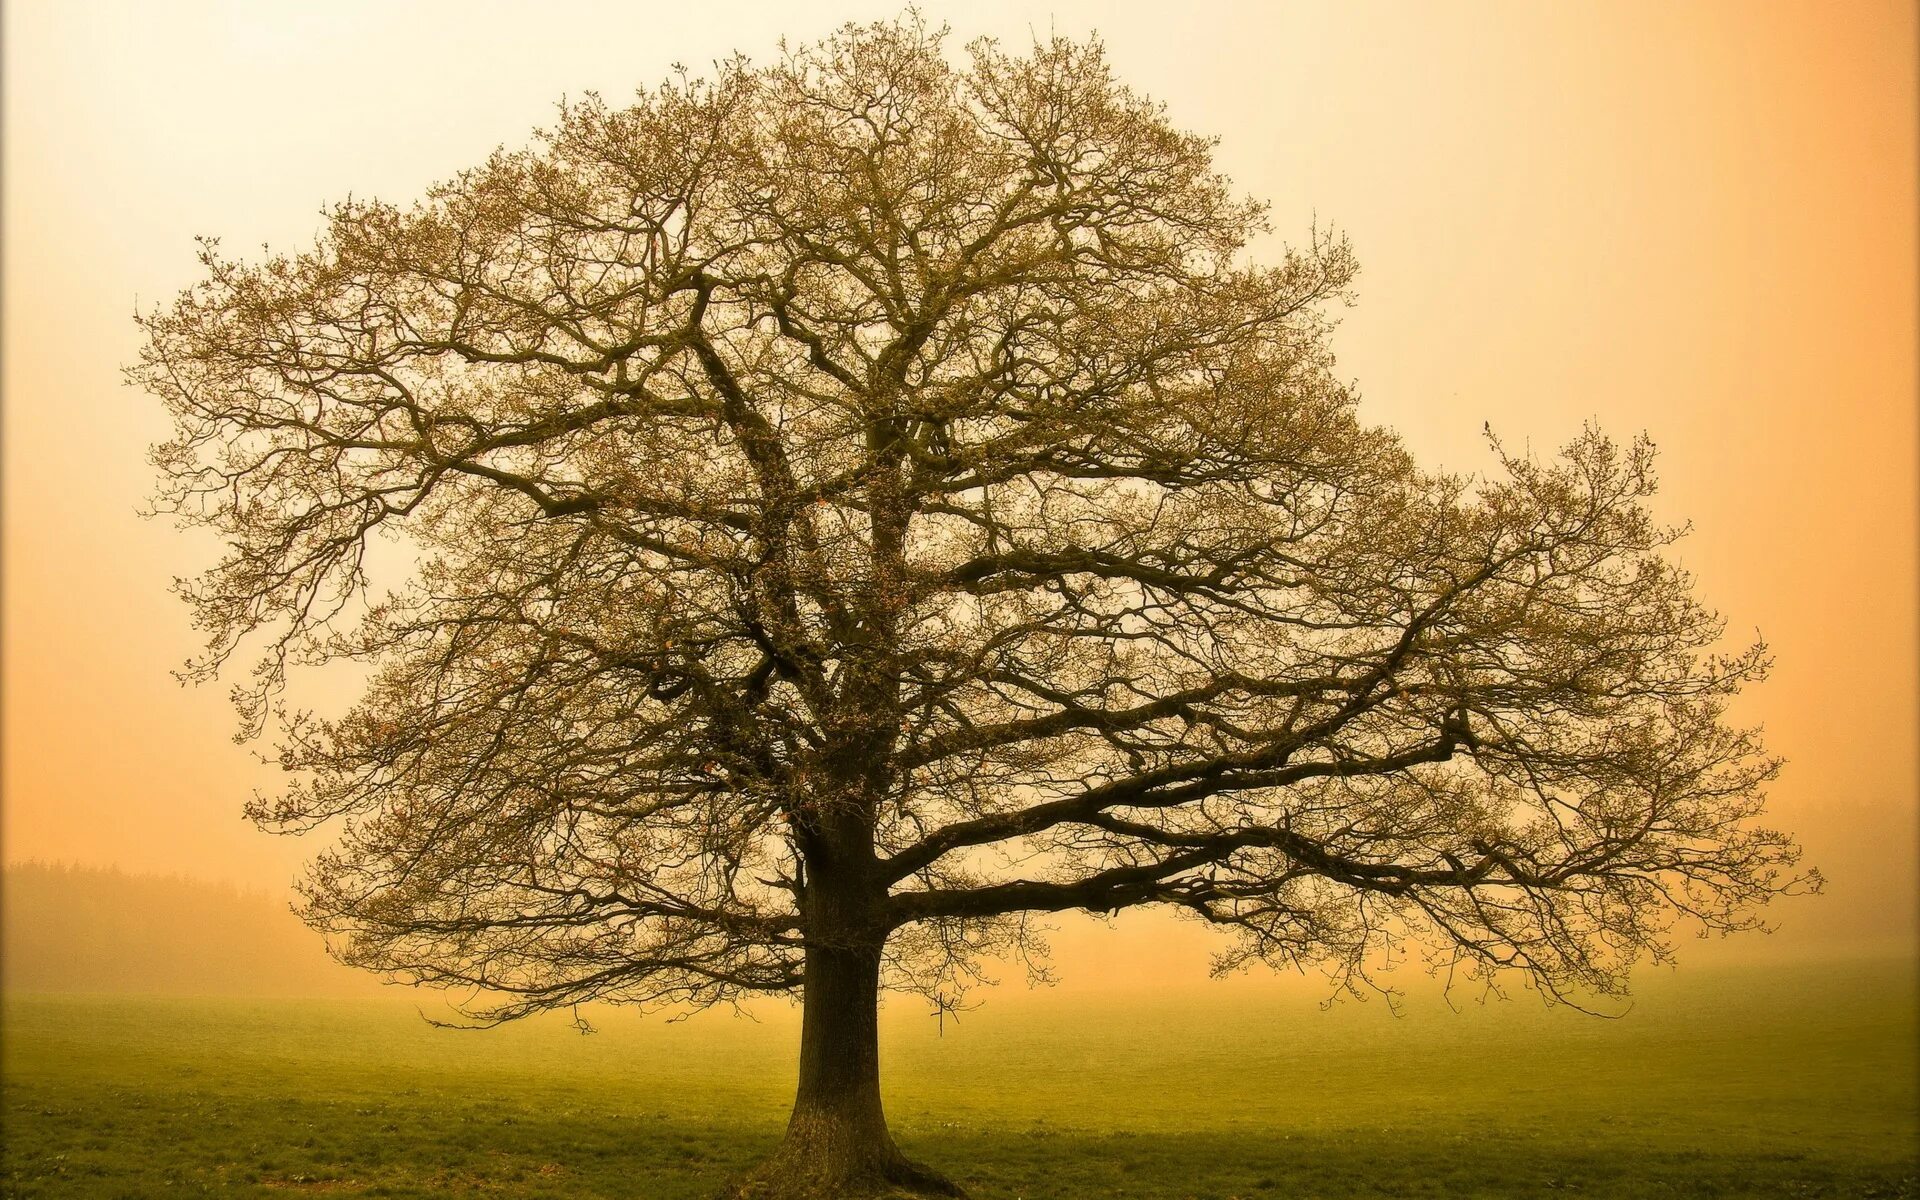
[{"x": 837, "y": 1143}]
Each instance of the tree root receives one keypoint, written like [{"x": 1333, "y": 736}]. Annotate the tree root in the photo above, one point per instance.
[{"x": 780, "y": 1178}]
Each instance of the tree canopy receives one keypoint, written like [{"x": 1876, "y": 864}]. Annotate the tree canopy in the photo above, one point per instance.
[{"x": 860, "y": 502}]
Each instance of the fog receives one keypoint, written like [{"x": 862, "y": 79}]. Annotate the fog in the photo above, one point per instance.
[{"x": 1691, "y": 220}]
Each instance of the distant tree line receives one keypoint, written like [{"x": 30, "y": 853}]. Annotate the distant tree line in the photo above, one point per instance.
[{"x": 67, "y": 928}]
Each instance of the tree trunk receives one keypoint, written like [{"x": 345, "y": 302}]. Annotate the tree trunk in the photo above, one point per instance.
[{"x": 837, "y": 1144}]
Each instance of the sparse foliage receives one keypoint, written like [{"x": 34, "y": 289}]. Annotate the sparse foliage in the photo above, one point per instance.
[{"x": 861, "y": 503}]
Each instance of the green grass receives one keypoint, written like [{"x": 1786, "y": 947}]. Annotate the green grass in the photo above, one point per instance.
[{"x": 1729, "y": 1084}]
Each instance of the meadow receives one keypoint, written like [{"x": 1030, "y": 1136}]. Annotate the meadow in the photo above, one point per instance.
[{"x": 1796, "y": 1083}]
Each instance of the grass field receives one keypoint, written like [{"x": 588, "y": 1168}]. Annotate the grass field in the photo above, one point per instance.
[{"x": 1728, "y": 1084}]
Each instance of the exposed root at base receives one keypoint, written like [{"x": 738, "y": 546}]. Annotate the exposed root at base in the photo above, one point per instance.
[{"x": 779, "y": 1179}]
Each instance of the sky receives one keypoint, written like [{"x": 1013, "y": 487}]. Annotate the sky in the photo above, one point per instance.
[{"x": 1694, "y": 220}]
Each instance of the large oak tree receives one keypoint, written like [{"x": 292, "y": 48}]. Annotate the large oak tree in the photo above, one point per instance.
[{"x": 862, "y": 502}]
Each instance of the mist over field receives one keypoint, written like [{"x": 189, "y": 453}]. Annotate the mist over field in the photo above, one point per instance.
[
  {"x": 1688, "y": 227},
  {"x": 162, "y": 1035},
  {"x": 73, "y": 929},
  {"x": 69, "y": 928}
]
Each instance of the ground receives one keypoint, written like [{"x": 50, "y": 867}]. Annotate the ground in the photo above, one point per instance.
[{"x": 1756, "y": 1083}]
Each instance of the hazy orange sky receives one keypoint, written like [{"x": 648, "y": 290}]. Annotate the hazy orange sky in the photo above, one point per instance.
[{"x": 1693, "y": 219}]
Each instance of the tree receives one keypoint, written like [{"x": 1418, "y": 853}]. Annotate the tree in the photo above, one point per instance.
[{"x": 859, "y": 503}]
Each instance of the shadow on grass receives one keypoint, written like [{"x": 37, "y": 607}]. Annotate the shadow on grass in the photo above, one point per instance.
[
  {"x": 105, "y": 1142},
  {"x": 1389, "y": 1163}
]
